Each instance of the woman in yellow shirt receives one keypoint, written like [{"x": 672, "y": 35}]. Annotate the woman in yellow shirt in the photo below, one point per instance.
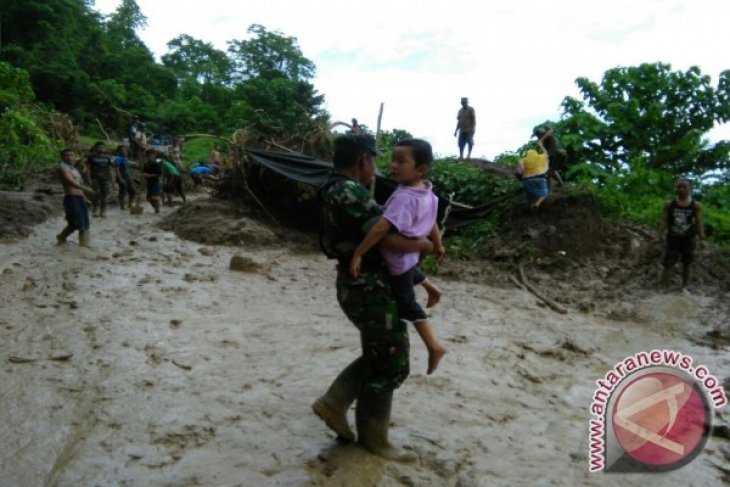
[{"x": 532, "y": 170}]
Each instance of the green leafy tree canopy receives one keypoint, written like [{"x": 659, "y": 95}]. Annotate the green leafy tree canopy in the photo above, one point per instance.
[
  {"x": 269, "y": 55},
  {"x": 648, "y": 115}
]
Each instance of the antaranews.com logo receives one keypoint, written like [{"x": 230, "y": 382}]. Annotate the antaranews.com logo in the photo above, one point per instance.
[{"x": 652, "y": 412}]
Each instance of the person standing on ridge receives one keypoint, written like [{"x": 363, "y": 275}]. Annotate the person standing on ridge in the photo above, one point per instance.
[
  {"x": 466, "y": 122},
  {"x": 682, "y": 221}
]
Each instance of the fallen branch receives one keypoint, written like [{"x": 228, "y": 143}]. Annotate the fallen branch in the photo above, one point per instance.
[
  {"x": 106, "y": 134},
  {"x": 433, "y": 442},
  {"x": 644, "y": 233},
  {"x": 121, "y": 110},
  {"x": 271, "y": 142},
  {"x": 182, "y": 365},
  {"x": 538, "y": 294},
  {"x": 247, "y": 188},
  {"x": 516, "y": 282},
  {"x": 27, "y": 360}
]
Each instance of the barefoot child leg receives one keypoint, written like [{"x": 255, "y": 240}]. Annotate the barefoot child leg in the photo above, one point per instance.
[
  {"x": 435, "y": 349},
  {"x": 434, "y": 293}
]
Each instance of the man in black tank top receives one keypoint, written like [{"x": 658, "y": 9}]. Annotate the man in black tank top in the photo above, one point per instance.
[
  {"x": 100, "y": 175},
  {"x": 681, "y": 220}
]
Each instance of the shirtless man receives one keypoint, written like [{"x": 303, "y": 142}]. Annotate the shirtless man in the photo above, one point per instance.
[{"x": 74, "y": 199}]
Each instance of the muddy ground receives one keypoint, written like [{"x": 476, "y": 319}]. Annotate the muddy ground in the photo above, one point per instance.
[{"x": 147, "y": 361}]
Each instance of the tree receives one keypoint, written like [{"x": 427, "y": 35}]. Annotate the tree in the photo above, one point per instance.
[
  {"x": 269, "y": 55},
  {"x": 648, "y": 115},
  {"x": 388, "y": 138},
  {"x": 14, "y": 87},
  {"x": 277, "y": 105},
  {"x": 193, "y": 59},
  {"x": 272, "y": 94},
  {"x": 46, "y": 39},
  {"x": 123, "y": 24}
]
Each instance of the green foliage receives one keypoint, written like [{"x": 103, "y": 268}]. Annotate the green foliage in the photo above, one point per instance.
[
  {"x": 195, "y": 60},
  {"x": 14, "y": 86},
  {"x": 465, "y": 242},
  {"x": 277, "y": 105},
  {"x": 638, "y": 195},
  {"x": 123, "y": 24},
  {"x": 471, "y": 186},
  {"x": 717, "y": 225},
  {"x": 24, "y": 147},
  {"x": 639, "y": 129},
  {"x": 198, "y": 149},
  {"x": 386, "y": 143},
  {"x": 269, "y": 55},
  {"x": 185, "y": 116},
  {"x": 468, "y": 184},
  {"x": 99, "y": 71},
  {"x": 648, "y": 115},
  {"x": 507, "y": 159}
]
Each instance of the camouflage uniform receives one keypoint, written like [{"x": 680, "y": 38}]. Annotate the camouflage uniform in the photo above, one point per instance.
[{"x": 348, "y": 210}]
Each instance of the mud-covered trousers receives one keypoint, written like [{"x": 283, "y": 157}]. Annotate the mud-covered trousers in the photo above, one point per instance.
[
  {"x": 369, "y": 304},
  {"x": 100, "y": 185}
]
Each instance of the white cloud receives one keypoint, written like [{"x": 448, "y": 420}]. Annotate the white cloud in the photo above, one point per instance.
[{"x": 516, "y": 60}]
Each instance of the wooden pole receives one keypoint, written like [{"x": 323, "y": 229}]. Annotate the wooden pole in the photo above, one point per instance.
[
  {"x": 380, "y": 119},
  {"x": 377, "y": 142}
]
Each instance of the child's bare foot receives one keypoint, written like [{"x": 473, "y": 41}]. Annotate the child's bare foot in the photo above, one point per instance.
[
  {"x": 434, "y": 293},
  {"x": 434, "y": 357}
]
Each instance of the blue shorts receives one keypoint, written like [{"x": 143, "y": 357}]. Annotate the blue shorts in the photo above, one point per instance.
[
  {"x": 466, "y": 138},
  {"x": 154, "y": 187},
  {"x": 535, "y": 188},
  {"x": 77, "y": 215}
]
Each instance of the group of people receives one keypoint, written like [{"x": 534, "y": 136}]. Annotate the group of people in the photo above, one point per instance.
[
  {"x": 378, "y": 250},
  {"x": 86, "y": 184},
  {"x": 536, "y": 169}
]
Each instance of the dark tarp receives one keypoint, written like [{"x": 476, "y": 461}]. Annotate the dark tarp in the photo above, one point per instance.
[{"x": 315, "y": 173}]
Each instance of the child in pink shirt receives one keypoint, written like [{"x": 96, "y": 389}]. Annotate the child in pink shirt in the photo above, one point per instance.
[{"x": 411, "y": 210}]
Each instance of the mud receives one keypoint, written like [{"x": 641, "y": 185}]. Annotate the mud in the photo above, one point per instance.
[
  {"x": 20, "y": 211},
  {"x": 181, "y": 371}
]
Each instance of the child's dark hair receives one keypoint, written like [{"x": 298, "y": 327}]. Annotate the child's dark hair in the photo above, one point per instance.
[
  {"x": 65, "y": 151},
  {"x": 120, "y": 148},
  {"x": 422, "y": 152}
]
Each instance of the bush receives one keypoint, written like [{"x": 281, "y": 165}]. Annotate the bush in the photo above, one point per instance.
[
  {"x": 638, "y": 195},
  {"x": 24, "y": 145},
  {"x": 467, "y": 184}
]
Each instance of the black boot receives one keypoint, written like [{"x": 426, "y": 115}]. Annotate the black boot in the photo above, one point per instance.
[
  {"x": 61, "y": 237},
  {"x": 332, "y": 407},
  {"x": 372, "y": 416}
]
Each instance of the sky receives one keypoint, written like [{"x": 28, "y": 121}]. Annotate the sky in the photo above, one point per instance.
[{"x": 515, "y": 59}]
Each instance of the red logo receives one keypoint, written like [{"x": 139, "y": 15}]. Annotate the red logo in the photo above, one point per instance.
[{"x": 661, "y": 420}]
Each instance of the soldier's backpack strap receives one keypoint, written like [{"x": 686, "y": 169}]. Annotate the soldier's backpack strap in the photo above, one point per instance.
[{"x": 321, "y": 191}]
